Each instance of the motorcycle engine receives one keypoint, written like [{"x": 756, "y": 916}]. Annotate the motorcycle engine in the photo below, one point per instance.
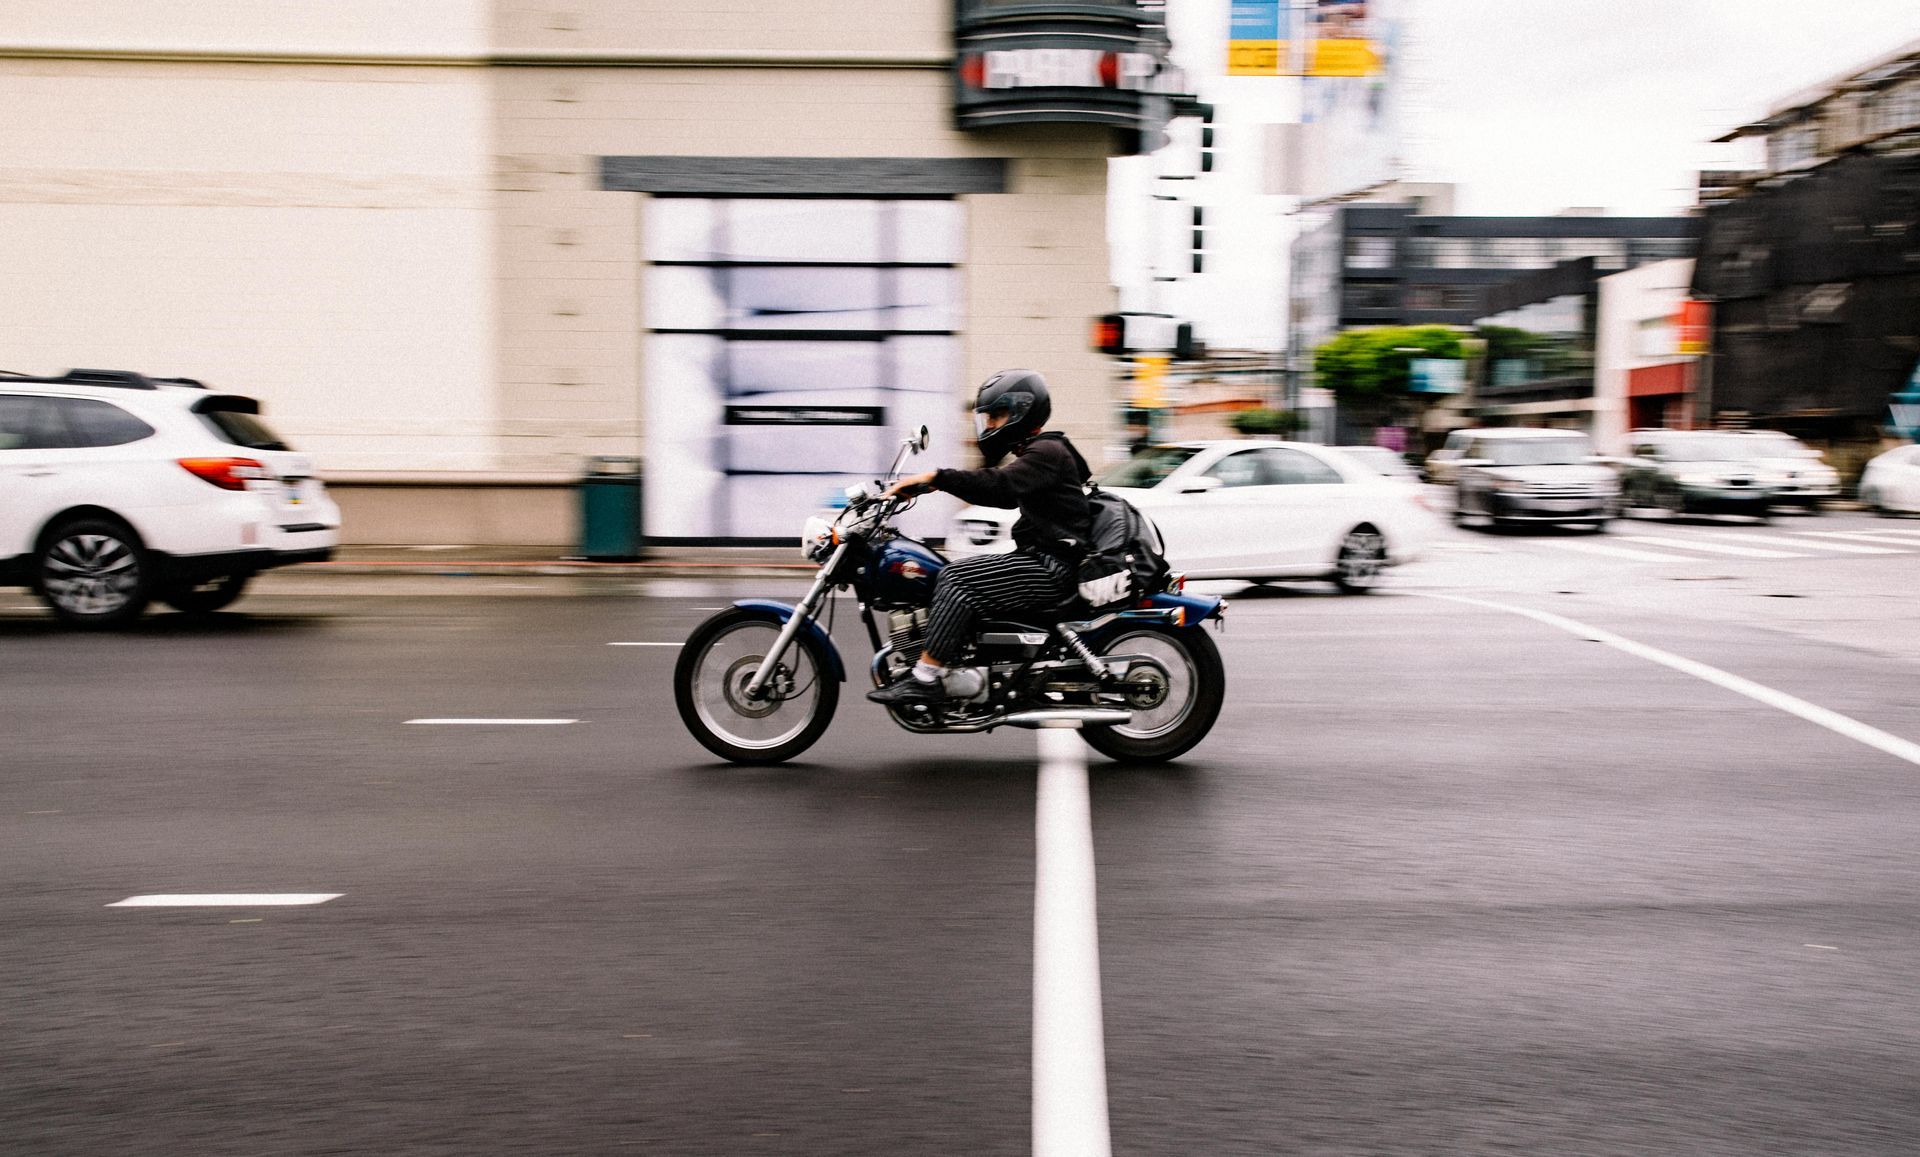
[{"x": 908, "y": 631}]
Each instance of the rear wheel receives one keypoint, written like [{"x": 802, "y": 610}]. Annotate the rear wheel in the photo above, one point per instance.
[
  {"x": 1363, "y": 556},
  {"x": 1170, "y": 719},
  {"x": 710, "y": 688},
  {"x": 93, "y": 574},
  {"x": 206, "y": 596}
]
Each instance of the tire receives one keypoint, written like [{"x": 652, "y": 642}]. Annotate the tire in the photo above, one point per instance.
[
  {"x": 1671, "y": 501},
  {"x": 206, "y": 597},
  {"x": 709, "y": 698},
  {"x": 1158, "y": 739},
  {"x": 1599, "y": 526},
  {"x": 94, "y": 574},
  {"x": 1361, "y": 559}
]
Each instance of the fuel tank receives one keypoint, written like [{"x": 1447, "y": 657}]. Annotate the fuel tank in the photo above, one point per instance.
[{"x": 903, "y": 573}]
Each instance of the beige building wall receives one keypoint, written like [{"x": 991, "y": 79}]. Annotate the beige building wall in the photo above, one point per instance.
[
  {"x": 386, "y": 221},
  {"x": 311, "y": 232}
]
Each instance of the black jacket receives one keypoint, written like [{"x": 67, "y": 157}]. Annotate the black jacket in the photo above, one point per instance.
[{"x": 1046, "y": 479}]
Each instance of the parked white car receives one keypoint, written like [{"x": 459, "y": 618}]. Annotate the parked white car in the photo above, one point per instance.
[
  {"x": 1806, "y": 479},
  {"x": 1891, "y": 482},
  {"x": 117, "y": 489},
  {"x": 1254, "y": 510}
]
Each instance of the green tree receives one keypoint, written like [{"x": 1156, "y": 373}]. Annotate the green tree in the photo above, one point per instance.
[
  {"x": 1267, "y": 422},
  {"x": 1374, "y": 363}
]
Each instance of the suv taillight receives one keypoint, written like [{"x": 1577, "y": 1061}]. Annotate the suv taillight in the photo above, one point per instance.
[{"x": 226, "y": 473}]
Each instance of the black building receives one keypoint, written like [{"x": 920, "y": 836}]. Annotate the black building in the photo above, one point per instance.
[
  {"x": 1389, "y": 265},
  {"x": 1815, "y": 285}
]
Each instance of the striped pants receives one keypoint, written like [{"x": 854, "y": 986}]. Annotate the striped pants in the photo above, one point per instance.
[{"x": 988, "y": 585}]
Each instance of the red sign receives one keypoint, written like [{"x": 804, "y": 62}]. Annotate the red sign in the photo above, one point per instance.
[{"x": 1694, "y": 324}]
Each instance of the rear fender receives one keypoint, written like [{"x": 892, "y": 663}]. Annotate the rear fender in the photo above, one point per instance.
[
  {"x": 1197, "y": 608},
  {"x": 784, "y": 612}
]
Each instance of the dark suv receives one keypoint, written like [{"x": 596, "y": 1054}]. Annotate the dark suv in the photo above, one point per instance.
[{"x": 1521, "y": 474}]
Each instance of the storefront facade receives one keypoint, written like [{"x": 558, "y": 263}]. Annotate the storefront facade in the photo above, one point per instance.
[{"x": 462, "y": 253}]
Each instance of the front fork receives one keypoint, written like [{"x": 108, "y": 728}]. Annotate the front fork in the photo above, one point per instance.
[{"x": 802, "y": 614}]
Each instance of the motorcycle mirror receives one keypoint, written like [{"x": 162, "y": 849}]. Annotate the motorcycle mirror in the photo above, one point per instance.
[{"x": 922, "y": 439}]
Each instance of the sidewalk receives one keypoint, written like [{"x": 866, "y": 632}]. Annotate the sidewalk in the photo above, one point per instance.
[{"x": 503, "y": 561}]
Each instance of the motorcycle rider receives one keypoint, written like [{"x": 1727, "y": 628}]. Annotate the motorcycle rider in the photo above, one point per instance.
[{"x": 1046, "y": 480}]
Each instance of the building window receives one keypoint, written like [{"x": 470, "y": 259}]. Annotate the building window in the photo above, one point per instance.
[
  {"x": 790, "y": 341},
  {"x": 1793, "y": 146},
  {"x": 1371, "y": 295},
  {"x": 1370, "y": 253}
]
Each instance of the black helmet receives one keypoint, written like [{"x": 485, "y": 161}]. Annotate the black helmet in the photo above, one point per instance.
[{"x": 1022, "y": 396}]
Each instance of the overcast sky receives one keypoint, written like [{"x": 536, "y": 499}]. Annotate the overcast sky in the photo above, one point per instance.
[
  {"x": 1526, "y": 107},
  {"x": 1535, "y": 107}
]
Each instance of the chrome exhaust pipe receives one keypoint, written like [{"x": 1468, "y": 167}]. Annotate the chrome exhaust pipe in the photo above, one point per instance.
[{"x": 1069, "y": 717}]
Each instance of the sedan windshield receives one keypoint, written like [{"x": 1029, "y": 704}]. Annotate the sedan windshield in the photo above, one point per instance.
[
  {"x": 1149, "y": 467},
  {"x": 1540, "y": 451},
  {"x": 1708, "y": 448}
]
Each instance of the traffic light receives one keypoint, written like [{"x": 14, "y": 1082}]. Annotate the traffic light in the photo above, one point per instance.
[
  {"x": 1199, "y": 239},
  {"x": 1110, "y": 334},
  {"x": 1206, "y": 138},
  {"x": 1184, "y": 347}
]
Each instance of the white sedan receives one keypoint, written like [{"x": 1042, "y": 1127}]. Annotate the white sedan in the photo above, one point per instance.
[
  {"x": 1891, "y": 482},
  {"x": 1254, "y": 510}
]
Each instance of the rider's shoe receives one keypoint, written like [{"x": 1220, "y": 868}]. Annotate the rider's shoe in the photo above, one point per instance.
[{"x": 907, "y": 689}]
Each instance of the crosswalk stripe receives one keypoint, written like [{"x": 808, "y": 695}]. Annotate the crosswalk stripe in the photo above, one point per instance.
[
  {"x": 1838, "y": 547},
  {"x": 1616, "y": 551},
  {"x": 1709, "y": 547},
  {"x": 1850, "y": 537}
]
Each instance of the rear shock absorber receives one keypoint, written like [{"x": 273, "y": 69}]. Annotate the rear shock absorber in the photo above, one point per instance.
[{"x": 1080, "y": 648}]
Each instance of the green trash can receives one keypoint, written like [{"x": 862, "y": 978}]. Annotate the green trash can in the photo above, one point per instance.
[{"x": 610, "y": 509}]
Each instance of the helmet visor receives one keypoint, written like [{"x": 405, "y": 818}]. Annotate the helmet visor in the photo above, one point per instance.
[{"x": 979, "y": 424}]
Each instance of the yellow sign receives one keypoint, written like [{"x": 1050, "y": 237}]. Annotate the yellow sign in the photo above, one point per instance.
[
  {"x": 1343, "y": 58},
  {"x": 1254, "y": 57},
  {"x": 1150, "y": 381}
]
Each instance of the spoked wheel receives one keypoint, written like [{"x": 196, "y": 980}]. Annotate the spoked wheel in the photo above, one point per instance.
[
  {"x": 1362, "y": 558},
  {"x": 93, "y": 574},
  {"x": 710, "y": 687},
  {"x": 208, "y": 596},
  {"x": 1175, "y": 706}
]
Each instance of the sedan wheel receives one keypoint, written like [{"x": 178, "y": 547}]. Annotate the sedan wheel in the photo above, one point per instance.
[
  {"x": 206, "y": 597},
  {"x": 93, "y": 574},
  {"x": 1363, "y": 555}
]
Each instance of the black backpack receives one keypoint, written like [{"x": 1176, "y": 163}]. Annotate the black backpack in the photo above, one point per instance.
[{"x": 1125, "y": 560}]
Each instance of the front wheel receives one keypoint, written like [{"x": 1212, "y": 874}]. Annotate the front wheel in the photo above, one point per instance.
[
  {"x": 1167, "y": 721},
  {"x": 1362, "y": 557},
  {"x": 710, "y": 687},
  {"x": 93, "y": 574}
]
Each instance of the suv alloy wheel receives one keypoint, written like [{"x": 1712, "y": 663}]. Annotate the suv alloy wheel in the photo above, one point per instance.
[{"x": 93, "y": 573}]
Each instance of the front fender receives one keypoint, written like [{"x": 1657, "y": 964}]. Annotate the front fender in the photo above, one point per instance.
[
  {"x": 784, "y": 612},
  {"x": 1198, "y": 608}
]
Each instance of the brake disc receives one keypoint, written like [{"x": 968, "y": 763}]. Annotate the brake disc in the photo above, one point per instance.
[
  {"x": 777, "y": 689},
  {"x": 1145, "y": 686}
]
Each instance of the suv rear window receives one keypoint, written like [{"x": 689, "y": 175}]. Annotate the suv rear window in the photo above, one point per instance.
[
  {"x": 240, "y": 429},
  {"x": 96, "y": 423}
]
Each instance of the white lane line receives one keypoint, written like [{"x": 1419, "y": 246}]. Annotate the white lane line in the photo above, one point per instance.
[
  {"x": 1616, "y": 551},
  {"x": 226, "y": 899},
  {"x": 492, "y": 722},
  {"x": 1708, "y": 547},
  {"x": 1069, "y": 1042},
  {"x": 644, "y": 644},
  {"x": 1813, "y": 713},
  {"x": 1838, "y": 547},
  {"x": 1863, "y": 536}
]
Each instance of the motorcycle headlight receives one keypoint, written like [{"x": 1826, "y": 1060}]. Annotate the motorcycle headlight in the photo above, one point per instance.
[{"x": 816, "y": 538}]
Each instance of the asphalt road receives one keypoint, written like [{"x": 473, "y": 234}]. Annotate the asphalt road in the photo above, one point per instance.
[{"x": 1445, "y": 878}]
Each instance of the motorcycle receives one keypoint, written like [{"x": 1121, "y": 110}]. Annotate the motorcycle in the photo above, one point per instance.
[{"x": 758, "y": 683}]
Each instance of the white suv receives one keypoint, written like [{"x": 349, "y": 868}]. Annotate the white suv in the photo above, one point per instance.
[{"x": 116, "y": 489}]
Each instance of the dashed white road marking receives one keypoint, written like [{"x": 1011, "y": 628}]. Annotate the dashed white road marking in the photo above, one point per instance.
[
  {"x": 1708, "y": 547},
  {"x": 1616, "y": 551},
  {"x": 1863, "y": 536},
  {"x": 493, "y": 722},
  {"x": 645, "y": 644},
  {"x": 226, "y": 899},
  {"x": 1069, "y": 1042},
  {"x": 1813, "y": 713},
  {"x": 1837, "y": 547}
]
